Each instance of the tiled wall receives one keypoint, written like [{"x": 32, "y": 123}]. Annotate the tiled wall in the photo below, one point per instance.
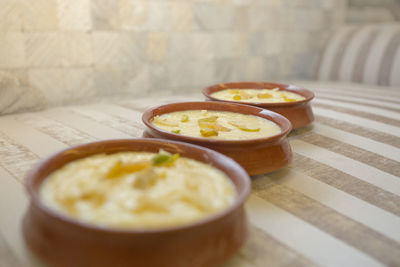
[{"x": 63, "y": 51}]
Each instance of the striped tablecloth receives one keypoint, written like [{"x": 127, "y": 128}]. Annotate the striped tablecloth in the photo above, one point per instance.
[{"x": 337, "y": 204}]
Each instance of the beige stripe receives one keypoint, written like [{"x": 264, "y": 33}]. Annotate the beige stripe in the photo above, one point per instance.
[
  {"x": 55, "y": 129},
  {"x": 263, "y": 250},
  {"x": 359, "y": 130},
  {"x": 126, "y": 126},
  {"x": 379, "y": 148},
  {"x": 134, "y": 117},
  {"x": 353, "y": 233},
  {"x": 15, "y": 158},
  {"x": 307, "y": 239},
  {"x": 359, "y": 113},
  {"x": 31, "y": 138},
  {"x": 380, "y": 162},
  {"x": 340, "y": 51},
  {"x": 352, "y": 207},
  {"x": 12, "y": 192},
  {"x": 350, "y": 54},
  {"x": 364, "y": 172},
  {"x": 387, "y": 59},
  {"x": 362, "y": 56},
  {"x": 325, "y": 69},
  {"x": 394, "y": 115},
  {"x": 376, "y": 53},
  {"x": 367, "y": 123},
  {"x": 84, "y": 124},
  {"x": 347, "y": 183},
  {"x": 359, "y": 100}
]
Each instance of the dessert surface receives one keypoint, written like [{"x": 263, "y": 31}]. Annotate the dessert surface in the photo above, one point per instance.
[{"x": 137, "y": 190}]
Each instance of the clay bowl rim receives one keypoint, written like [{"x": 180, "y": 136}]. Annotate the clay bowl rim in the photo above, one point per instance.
[
  {"x": 275, "y": 117},
  {"x": 228, "y": 163},
  {"x": 308, "y": 94}
]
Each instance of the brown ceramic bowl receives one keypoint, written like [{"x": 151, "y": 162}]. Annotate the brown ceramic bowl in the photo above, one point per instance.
[
  {"x": 256, "y": 156},
  {"x": 63, "y": 241},
  {"x": 299, "y": 113}
]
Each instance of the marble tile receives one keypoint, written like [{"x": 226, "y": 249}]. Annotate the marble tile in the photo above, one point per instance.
[
  {"x": 115, "y": 79},
  {"x": 12, "y": 50},
  {"x": 63, "y": 86},
  {"x": 74, "y": 14},
  {"x": 213, "y": 16},
  {"x": 105, "y": 14},
  {"x": 182, "y": 18},
  {"x": 77, "y": 49},
  {"x": 230, "y": 70},
  {"x": 231, "y": 45},
  {"x": 11, "y": 12},
  {"x": 181, "y": 46},
  {"x": 266, "y": 43},
  {"x": 264, "y": 18},
  {"x": 40, "y": 15},
  {"x": 113, "y": 48},
  {"x": 203, "y": 45},
  {"x": 157, "y": 46},
  {"x": 44, "y": 49}
]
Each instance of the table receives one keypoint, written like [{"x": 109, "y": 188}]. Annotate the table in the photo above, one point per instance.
[{"x": 336, "y": 204}]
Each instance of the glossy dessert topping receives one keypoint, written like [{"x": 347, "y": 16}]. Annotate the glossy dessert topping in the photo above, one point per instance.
[
  {"x": 220, "y": 125},
  {"x": 137, "y": 190},
  {"x": 257, "y": 95}
]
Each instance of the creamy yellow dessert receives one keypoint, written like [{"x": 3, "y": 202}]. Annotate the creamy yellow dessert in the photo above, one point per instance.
[
  {"x": 216, "y": 124},
  {"x": 137, "y": 190},
  {"x": 257, "y": 95}
]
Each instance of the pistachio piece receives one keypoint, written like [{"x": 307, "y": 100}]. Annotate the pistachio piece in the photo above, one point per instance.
[
  {"x": 207, "y": 132},
  {"x": 162, "y": 159},
  {"x": 184, "y": 118}
]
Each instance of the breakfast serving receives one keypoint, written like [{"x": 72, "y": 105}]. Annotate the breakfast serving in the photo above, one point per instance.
[
  {"x": 216, "y": 124},
  {"x": 258, "y": 95},
  {"x": 137, "y": 190}
]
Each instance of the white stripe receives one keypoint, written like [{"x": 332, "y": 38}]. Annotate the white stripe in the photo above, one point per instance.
[
  {"x": 350, "y": 166},
  {"x": 126, "y": 113},
  {"x": 375, "y": 55},
  {"x": 330, "y": 52},
  {"x": 345, "y": 87},
  {"x": 395, "y": 71},
  {"x": 362, "y": 142},
  {"x": 310, "y": 241},
  {"x": 375, "y": 125},
  {"x": 13, "y": 204},
  {"x": 381, "y": 96},
  {"x": 39, "y": 143},
  {"x": 349, "y": 58},
  {"x": 360, "y": 107},
  {"x": 359, "y": 99},
  {"x": 116, "y": 122},
  {"x": 375, "y": 218},
  {"x": 85, "y": 125}
]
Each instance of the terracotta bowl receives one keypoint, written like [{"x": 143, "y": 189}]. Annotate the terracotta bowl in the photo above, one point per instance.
[
  {"x": 256, "y": 156},
  {"x": 63, "y": 241},
  {"x": 299, "y": 113}
]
